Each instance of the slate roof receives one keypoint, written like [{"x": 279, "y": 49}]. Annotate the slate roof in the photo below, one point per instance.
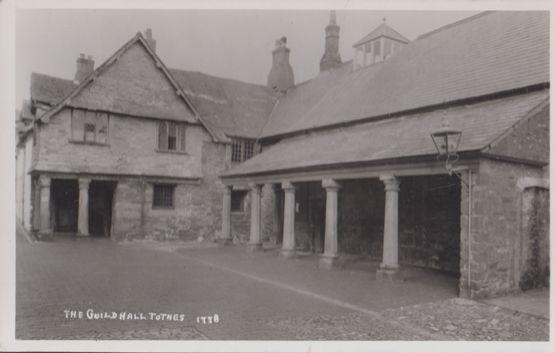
[
  {"x": 49, "y": 89},
  {"x": 383, "y": 30},
  {"x": 485, "y": 54},
  {"x": 386, "y": 139},
  {"x": 234, "y": 107},
  {"x": 237, "y": 108}
]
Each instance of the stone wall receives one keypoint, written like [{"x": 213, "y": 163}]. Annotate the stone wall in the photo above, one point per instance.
[
  {"x": 131, "y": 149},
  {"x": 197, "y": 205},
  {"x": 528, "y": 140},
  {"x": 496, "y": 227},
  {"x": 240, "y": 220},
  {"x": 23, "y": 182},
  {"x": 534, "y": 264}
]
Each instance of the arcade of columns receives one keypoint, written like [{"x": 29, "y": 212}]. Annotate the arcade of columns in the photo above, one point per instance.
[{"x": 390, "y": 264}]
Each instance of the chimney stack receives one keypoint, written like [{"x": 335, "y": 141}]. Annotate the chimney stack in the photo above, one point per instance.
[
  {"x": 331, "y": 57},
  {"x": 85, "y": 66},
  {"x": 281, "y": 77},
  {"x": 151, "y": 41}
]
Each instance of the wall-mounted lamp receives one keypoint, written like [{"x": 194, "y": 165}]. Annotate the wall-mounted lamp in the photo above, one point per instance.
[{"x": 447, "y": 140}]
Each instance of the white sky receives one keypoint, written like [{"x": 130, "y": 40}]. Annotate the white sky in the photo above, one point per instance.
[{"x": 227, "y": 43}]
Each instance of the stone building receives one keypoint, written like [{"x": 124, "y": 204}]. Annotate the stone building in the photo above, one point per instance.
[
  {"x": 133, "y": 149},
  {"x": 343, "y": 165},
  {"x": 355, "y": 172}
]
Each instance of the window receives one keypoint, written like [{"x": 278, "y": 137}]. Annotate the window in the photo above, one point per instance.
[
  {"x": 242, "y": 149},
  {"x": 162, "y": 196},
  {"x": 238, "y": 200},
  {"x": 249, "y": 148},
  {"x": 236, "y": 147},
  {"x": 171, "y": 136},
  {"x": 89, "y": 126}
]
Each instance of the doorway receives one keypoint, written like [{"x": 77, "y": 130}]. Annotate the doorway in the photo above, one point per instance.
[
  {"x": 101, "y": 196},
  {"x": 65, "y": 205}
]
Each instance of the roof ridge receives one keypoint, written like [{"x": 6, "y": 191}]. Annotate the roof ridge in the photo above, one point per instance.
[
  {"x": 137, "y": 38},
  {"x": 218, "y": 77},
  {"x": 453, "y": 24},
  {"x": 50, "y": 76}
]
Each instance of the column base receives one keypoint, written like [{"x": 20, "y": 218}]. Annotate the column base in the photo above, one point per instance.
[
  {"x": 253, "y": 247},
  {"x": 287, "y": 253},
  {"x": 327, "y": 262},
  {"x": 41, "y": 235},
  {"x": 389, "y": 273},
  {"x": 82, "y": 235},
  {"x": 226, "y": 241}
]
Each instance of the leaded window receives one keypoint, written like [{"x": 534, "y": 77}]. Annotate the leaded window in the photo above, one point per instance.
[
  {"x": 171, "y": 136},
  {"x": 163, "y": 196},
  {"x": 242, "y": 149}
]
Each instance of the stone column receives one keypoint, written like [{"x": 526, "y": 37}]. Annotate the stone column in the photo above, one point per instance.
[
  {"x": 83, "y": 216},
  {"x": 255, "y": 242},
  {"x": 226, "y": 216},
  {"x": 389, "y": 268},
  {"x": 330, "y": 242},
  {"x": 277, "y": 215},
  {"x": 44, "y": 205},
  {"x": 288, "y": 247}
]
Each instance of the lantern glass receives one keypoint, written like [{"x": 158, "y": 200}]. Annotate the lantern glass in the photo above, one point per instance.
[{"x": 446, "y": 141}]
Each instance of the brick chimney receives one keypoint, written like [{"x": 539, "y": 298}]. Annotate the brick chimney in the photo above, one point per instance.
[
  {"x": 151, "y": 41},
  {"x": 331, "y": 57},
  {"x": 85, "y": 66},
  {"x": 281, "y": 77}
]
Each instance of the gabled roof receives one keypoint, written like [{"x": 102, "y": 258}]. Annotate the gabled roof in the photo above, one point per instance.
[
  {"x": 383, "y": 30},
  {"x": 393, "y": 138},
  {"x": 134, "y": 104},
  {"x": 227, "y": 107},
  {"x": 488, "y": 53}
]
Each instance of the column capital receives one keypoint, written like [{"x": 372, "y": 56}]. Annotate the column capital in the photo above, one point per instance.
[
  {"x": 44, "y": 181},
  {"x": 391, "y": 182},
  {"x": 228, "y": 189},
  {"x": 84, "y": 183},
  {"x": 330, "y": 184},
  {"x": 256, "y": 187},
  {"x": 288, "y": 186}
]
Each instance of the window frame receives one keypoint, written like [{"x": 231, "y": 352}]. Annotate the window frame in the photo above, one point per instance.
[
  {"x": 80, "y": 137},
  {"x": 180, "y": 137},
  {"x": 242, "y": 149},
  {"x": 163, "y": 187}
]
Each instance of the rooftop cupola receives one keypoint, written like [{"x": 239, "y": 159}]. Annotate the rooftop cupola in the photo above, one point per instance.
[
  {"x": 378, "y": 45},
  {"x": 331, "y": 57},
  {"x": 85, "y": 66},
  {"x": 281, "y": 77}
]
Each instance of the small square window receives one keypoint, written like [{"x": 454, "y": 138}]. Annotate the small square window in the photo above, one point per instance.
[{"x": 163, "y": 196}]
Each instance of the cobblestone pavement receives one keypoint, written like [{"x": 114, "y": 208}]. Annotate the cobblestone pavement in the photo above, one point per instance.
[
  {"x": 256, "y": 296},
  {"x": 469, "y": 320}
]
